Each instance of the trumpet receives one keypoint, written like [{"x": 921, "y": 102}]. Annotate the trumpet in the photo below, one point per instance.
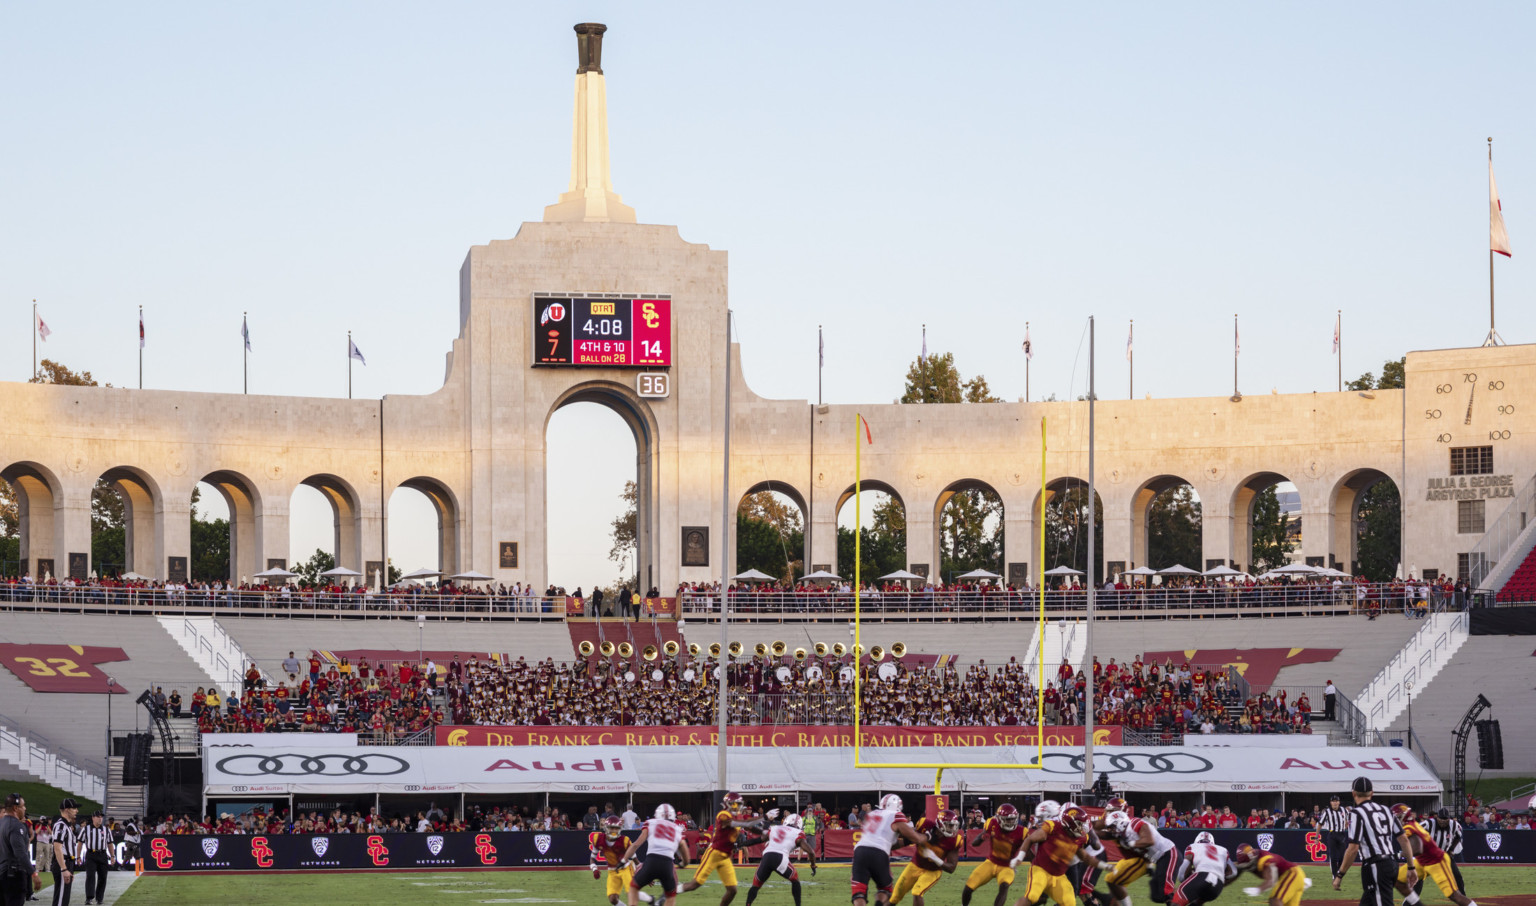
[
  {"x": 899, "y": 650},
  {"x": 760, "y": 649},
  {"x": 800, "y": 654},
  {"x": 586, "y": 648},
  {"x": 839, "y": 649},
  {"x": 736, "y": 649},
  {"x": 714, "y": 649},
  {"x": 821, "y": 649},
  {"x": 607, "y": 649},
  {"x": 650, "y": 653},
  {"x": 671, "y": 648},
  {"x": 778, "y": 649},
  {"x": 877, "y": 654},
  {"x": 626, "y": 650},
  {"x": 694, "y": 649}
]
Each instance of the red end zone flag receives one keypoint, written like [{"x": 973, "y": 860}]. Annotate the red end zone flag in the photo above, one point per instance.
[
  {"x": 1498, "y": 239},
  {"x": 869, "y": 438}
]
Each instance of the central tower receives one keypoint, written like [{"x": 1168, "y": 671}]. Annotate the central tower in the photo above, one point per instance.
[{"x": 591, "y": 198}]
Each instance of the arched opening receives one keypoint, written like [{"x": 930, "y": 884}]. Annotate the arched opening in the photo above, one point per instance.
[
  {"x": 1067, "y": 518},
  {"x": 225, "y": 509},
  {"x": 28, "y": 494},
  {"x": 123, "y": 524},
  {"x": 882, "y": 542},
  {"x": 1366, "y": 508},
  {"x": 317, "y": 543},
  {"x": 770, "y": 531},
  {"x": 1266, "y": 523},
  {"x": 1166, "y": 524},
  {"x": 423, "y": 527},
  {"x": 599, "y": 492},
  {"x": 968, "y": 529}
]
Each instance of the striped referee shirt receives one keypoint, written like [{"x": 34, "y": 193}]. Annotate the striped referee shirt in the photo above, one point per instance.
[
  {"x": 96, "y": 839},
  {"x": 66, "y": 836},
  {"x": 1333, "y": 821},
  {"x": 1374, "y": 830},
  {"x": 1448, "y": 838}
]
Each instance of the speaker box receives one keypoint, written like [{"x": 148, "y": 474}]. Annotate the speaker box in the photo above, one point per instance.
[
  {"x": 136, "y": 759},
  {"x": 1490, "y": 746}
]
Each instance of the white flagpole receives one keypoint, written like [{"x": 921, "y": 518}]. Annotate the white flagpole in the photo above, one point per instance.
[
  {"x": 1130, "y": 356},
  {"x": 141, "y": 347},
  {"x": 1338, "y": 345},
  {"x": 349, "y": 364},
  {"x": 34, "y": 336},
  {"x": 1028, "y": 350}
]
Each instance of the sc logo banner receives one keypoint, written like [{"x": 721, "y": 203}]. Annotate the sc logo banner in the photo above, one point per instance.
[
  {"x": 160, "y": 851},
  {"x": 261, "y": 851},
  {"x": 484, "y": 849},
  {"x": 377, "y": 851}
]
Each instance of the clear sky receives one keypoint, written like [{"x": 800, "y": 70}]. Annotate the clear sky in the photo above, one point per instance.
[{"x": 869, "y": 167}]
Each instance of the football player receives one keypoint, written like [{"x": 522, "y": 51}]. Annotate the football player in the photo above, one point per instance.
[
  {"x": 1143, "y": 849},
  {"x": 1283, "y": 881},
  {"x": 942, "y": 855},
  {"x": 882, "y": 828},
  {"x": 607, "y": 848},
  {"x": 783, "y": 840},
  {"x": 1207, "y": 872},
  {"x": 1007, "y": 844},
  {"x": 663, "y": 844},
  {"x": 1430, "y": 860},
  {"x": 722, "y": 845},
  {"x": 1056, "y": 843}
]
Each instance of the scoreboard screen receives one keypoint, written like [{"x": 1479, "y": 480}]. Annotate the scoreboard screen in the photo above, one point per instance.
[{"x": 616, "y": 333}]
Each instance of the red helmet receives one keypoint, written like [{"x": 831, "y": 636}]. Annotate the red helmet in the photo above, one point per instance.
[
  {"x": 949, "y": 822},
  {"x": 1116, "y": 804},
  {"x": 1402, "y": 812},
  {"x": 1073, "y": 817},
  {"x": 733, "y": 803},
  {"x": 1007, "y": 816},
  {"x": 1244, "y": 856},
  {"x": 613, "y": 827}
]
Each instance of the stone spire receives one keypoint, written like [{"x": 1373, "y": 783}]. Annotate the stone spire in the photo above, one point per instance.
[{"x": 591, "y": 198}]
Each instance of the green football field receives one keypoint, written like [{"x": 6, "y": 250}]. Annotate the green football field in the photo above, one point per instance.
[{"x": 1488, "y": 886}]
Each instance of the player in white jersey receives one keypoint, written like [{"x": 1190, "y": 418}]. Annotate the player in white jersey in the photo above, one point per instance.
[
  {"x": 1143, "y": 850},
  {"x": 872, "y": 854},
  {"x": 783, "y": 840},
  {"x": 1209, "y": 868},
  {"x": 662, "y": 838}
]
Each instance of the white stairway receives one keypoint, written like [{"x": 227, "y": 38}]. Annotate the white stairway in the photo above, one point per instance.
[
  {"x": 1425, "y": 654},
  {"x": 214, "y": 650},
  {"x": 36, "y": 761},
  {"x": 1061, "y": 640}
]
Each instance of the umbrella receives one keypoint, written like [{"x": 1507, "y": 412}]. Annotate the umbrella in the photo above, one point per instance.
[
  {"x": 1296, "y": 569},
  {"x": 341, "y": 572},
  {"x": 133, "y": 577},
  {"x": 821, "y": 575},
  {"x": 276, "y": 572},
  {"x": 1332, "y": 573},
  {"x": 753, "y": 575},
  {"x": 979, "y": 574},
  {"x": 470, "y": 575},
  {"x": 900, "y": 575},
  {"x": 1177, "y": 569},
  {"x": 422, "y": 574},
  {"x": 1140, "y": 571},
  {"x": 1222, "y": 571},
  {"x": 1063, "y": 571}
]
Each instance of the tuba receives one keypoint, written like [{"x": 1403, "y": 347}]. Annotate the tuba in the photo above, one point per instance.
[
  {"x": 671, "y": 648},
  {"x": 650, "y": 653},
  {"x": 736, "y": 649},
  {"x": 714, "y": 649},
  {"x": 694, "y": 649},
  {"x": 586, "y": 648},
  {"x": 607, "y": 649},
  {"x": 839, "y": 649},
  {"x": 626, "y": 650},
  {"x": 778, "y": 649},
  {"x": 821, "y": 649},
  {"x": 877, "y": 654},
  {"x": 760, "y": 649},
  {"x": 800, "y": 654},
  {"x": 899, "y": 650},
  {"x": 858, "y": 652}
]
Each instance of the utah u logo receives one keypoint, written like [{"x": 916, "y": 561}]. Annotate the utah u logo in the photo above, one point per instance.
[
  {"x": 377, "y": 850},
  {"x": 484, "y": 849},
  {"x": 1316, "y": 848},
  {"x": 160, "y": 851},
  {"x": 261, "y": 852}
]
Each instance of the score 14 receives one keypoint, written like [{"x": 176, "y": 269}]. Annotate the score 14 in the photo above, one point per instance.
[{"x": 653, "y": 384}]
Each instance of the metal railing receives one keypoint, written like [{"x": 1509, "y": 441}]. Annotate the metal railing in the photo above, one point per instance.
[
  {"x": 56, "y": 765},
  {"x": 1501, "y": 536},
  {"x": 1434, "y": 643},
  {"x": 285, "y": 601}
]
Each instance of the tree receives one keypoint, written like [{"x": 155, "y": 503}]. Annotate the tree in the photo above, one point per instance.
[
  {"x": 309, "y": 571},
  {"x": 1378, "y": 531},
  {"x": 1393, "y": 377},
  {"x": 770, "y": 536},
  {"x": 879, "y": 553},
  {"x": 1173, "y": 529},
  {"x": 1272, "y": 544},
  {"x": 937, "y": 380},
  {"x": 625, "y": 531},
  {"x": 51, "y": 372},
  {"x": 1066, "y": 535},
  {"x": 210, "y": 545}
]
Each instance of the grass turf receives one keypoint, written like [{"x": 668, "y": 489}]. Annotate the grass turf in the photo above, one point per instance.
[
  {"x": 828, "y": 888},
  {"x": 43, "y": 799}
]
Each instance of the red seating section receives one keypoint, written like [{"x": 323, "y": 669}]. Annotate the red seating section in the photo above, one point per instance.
[{"x": 1521, "y": 587}]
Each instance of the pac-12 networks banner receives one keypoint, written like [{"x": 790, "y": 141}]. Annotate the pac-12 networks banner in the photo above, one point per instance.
[
  {"x": 778, "y": 736},
  {"x": 303, "y": 852}
]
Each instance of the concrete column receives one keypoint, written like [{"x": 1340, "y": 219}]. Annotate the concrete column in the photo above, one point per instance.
[
  {"x": 1216, "y": 528},
  {"x": 35, "y": 504},
  {"x": 272, "y": 530},
  {"x": 1316, "y": 527},
  {"x": 369, "y": 544},
  {"x": 922, "y": 538},
  {"x": 1018, "y": 535},
  {"x": 823, "y": 537},
  {"x": 1118, "y": 543},
  {"x": 1341, "y": 540},
  {"x": 242, "y": 538},
  {"x": 72, "y": 527},
  {"x": 172, "y": 534}
]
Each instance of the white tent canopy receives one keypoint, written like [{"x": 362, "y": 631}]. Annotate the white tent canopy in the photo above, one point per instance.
[
  {"x": 1140, "y": 571},
  {"x": 276, "y": 572},
  {"x": 1177, "y": 569},
  {"x": 1296, "y": 569},
  {"x": 471, "y": 576},
  {"x": 901, "y": 575},
  {"x": 1063, "y": 571},
  {"x": 341, "y": 572},
  {"x": 753, "y": 575},
  {"x": 1222, "y": 571},
  {"x": 820, "y": 575},
  {"x": 421, "y": 574},
  {"x": 979, "y": 574}
]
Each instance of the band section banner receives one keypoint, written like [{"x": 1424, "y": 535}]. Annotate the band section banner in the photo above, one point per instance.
[
  {"x": 777, "y": 736},
  {"x": 557, "y": 849}
]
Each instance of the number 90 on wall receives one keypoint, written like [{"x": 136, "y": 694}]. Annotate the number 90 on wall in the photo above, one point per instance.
[{"x": 653, "y": 384}]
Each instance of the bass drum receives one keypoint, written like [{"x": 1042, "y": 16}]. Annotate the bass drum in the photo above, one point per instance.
[
  {"x": 887, "y": 671},
  {"x": 813, "y": 673},
  {"x": 845, "y": 674},
  {"x": 688, "y": 675},
  {"x": 782, "y": 673}
]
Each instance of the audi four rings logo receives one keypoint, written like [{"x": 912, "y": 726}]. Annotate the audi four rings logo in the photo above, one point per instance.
[
  {"x": 1131, "y": 763},
  {"x": 291, "y": 764}
]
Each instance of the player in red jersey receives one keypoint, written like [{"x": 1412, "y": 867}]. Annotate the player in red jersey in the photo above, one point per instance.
[
  {"x": 1282, "y": 880},
  {"x": 1007, "y": 838},
  {"x": 924, "y": 871},
  {"x": 607, "y": 848},
  {"x": 1430, "y": 860},
  {"x": 1057, "y": 843},
  {"x": 724, "y": 838}
]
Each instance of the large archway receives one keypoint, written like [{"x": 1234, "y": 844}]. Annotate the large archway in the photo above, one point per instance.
[
  {"x": 1266, "y": 522},
  {"x": 1066, "y": 527},
  {"x": 968, "y": 528},
  {"x": 770, "y": 531},
  {"x": 423, "y": 527},
  {"x": 883, "y": 538},
  {"x": 29, "y": 520},
  {"x": 344, "y": 541},
  {"x": 123, "y": 525},
  {"x": 1166, "y": 524},
  {"x": 600, "y": 493},
  {"x": 226, "y": 511},
  {"x": 1365, "y": 509}
]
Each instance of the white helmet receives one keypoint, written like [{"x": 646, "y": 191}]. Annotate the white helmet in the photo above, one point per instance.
[
  {"x": 1119, "y": 822},
  {"x": 1047, "y": 810},
  {"x": 1204, "y": 837},
  {"x": 666, "y": 812},
  {"x": 793, "y": 820},
  {"x": 890, "y": 802}
]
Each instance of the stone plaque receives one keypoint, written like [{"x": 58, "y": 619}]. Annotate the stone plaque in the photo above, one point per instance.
[
  {"x": 920, "y": 568},
  {"x": 371, "y": 569},
  {"x": 508, "y": 554},
  {"x": 176, "y": 569},
  {"x": 79, "y": 566},
  {"x": 1315, "y": 561},
  {"x": 1213, "y": 562},
  {"x": 276, "y": 563},
  {"x": 695, "y": 545},
  {"x": 821, "y": 567},
  {"x": 44, "y": 568},
  {"x": 1114, "y": 567},
  {"x": 1018, "y": 574}
]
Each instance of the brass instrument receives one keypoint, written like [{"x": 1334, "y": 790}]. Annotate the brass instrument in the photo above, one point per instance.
[
  {"x": 778, "y": 649},
  {"x": 899, "y": 650},
  {"x": 821, "y": 649},
  {"x": 736, "y": 649},
  {"x": 671, "y": 648},
  {"x": 626, "y": 650},
  {"x": 877, "y": 654},
  {"x": 760, "y": 649},
  {"x": 839, "y": 649},
  {"x": 801, "y": 654},
  {"x": 694, "y": 649},
  {"x": 714, "y": 649},
  {"x": 650, "y": 653},
  {"x": 586, "y": 648},
  {"x": 607, "y": 649}
]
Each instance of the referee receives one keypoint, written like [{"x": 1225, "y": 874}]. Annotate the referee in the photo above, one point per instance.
[
  {"x": 65, "y": 846},
  {"x": 96, "y": 842},
  {"x": 1372, "y": 835},
  {"x": 1334, "y": 823},
  {"x": 1446, "y": 832}
]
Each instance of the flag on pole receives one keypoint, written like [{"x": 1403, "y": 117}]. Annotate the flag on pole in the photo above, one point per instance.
[
  {"x": 868, "y": 437},
  {"x": 922, "y": 358},
  {"x": 1498, "y": 239},
  {"x": 1337, "y": 323},
  {"x": 821, "y": 348},
  {"x": 245, "y": 332},
  {"x": 1128, "y": 347},
  {"x": 354, "y": 353},
  {"x": 42, "y": 329},
  {"x": 1237, "y": 345},
  {"x": 1029, "y": 349},
  {"x": 141, "y": 329}
]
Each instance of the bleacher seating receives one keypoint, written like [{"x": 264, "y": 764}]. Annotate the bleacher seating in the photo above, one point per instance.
[
  {"x": 1521, "y": 586},
  {"x": 1501, "y": 667}
]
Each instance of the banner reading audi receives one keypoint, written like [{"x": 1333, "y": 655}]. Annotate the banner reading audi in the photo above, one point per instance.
[{"x": 603, "y": 330}]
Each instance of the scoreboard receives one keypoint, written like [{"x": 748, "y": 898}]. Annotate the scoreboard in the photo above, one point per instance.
[{"x": 616, "y": 332}]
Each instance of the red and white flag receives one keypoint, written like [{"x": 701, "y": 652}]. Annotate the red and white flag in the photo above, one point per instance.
[
  {"x": 1498, "y": 239},
  {"x": 42, "y": 329},
  {"x": 1338, "y": 321},
  {"x": 141, "y": 329}
]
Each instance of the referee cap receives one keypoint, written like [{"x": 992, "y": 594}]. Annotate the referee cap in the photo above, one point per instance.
[
  {"x": 1334, "y": 798},
  {"x": 68, "y": 803},
  {"x": 1362, "y": 784}
]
